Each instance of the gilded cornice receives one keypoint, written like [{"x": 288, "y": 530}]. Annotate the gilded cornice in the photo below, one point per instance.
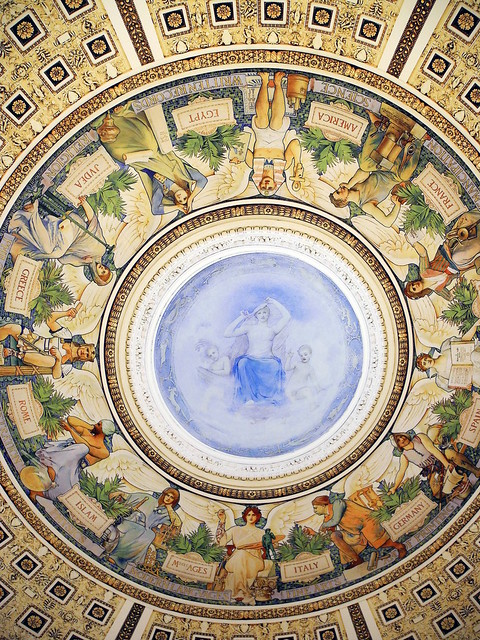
[
  {"x": 239, "y": 57},
  {"x": 410, "y": 35}
]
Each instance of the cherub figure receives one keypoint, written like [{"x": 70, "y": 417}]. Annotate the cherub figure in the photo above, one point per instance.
[
  {"x": 214, "y": 372},
  {"x": 302, "y": 383}
]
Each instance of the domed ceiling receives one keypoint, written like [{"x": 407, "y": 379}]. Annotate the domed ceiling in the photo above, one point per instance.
[{"x": 239, "y": 323}]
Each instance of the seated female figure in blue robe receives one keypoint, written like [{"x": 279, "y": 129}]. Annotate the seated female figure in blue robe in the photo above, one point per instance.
[{"x": 259, "y": 374}]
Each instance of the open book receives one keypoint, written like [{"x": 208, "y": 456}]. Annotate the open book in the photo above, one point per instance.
[{"x": 461, "y": 373}]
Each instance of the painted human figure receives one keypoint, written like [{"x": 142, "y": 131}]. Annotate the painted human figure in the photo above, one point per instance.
[
  {"x": 270, "y": 156},
  {"x": 459, "y": 253},
  {"x": 420, "y": 451},
  {"x": 128, "y": 541},
  {"x": 57, "y": 352},
  {"x": 215, "y": 373},
  {"x": 449, "y": 450},
  {"x": 68, "y": 239},
  {"x": 258, "y": 373},
  {"x": 372, "y": 183},
  {"x": 246, "y": 561},
  {"x": 437, "y": 363},
  {"x": 63, "y": 460},
  {"x": 164, "y": 521},
  {"x": 302, "y": 383},
  {"x": 353, "y": 529},
  {"x": 171, "y": 183}
]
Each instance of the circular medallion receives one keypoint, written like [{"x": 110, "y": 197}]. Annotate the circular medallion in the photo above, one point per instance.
[
  {"x": 242, "y": 352},
  {"x": 256, "y": 352}
]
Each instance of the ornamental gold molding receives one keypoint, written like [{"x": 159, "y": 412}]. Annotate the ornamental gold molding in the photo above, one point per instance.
[
  {"x": 135, "y": 30},
  {"x": 359, "y": 622},
  {"x": 410, "y": 35},
  {"x": 272, "y": 613},
  {"x": 347, "y": 71},
  {"x": 128, "y": 628}
]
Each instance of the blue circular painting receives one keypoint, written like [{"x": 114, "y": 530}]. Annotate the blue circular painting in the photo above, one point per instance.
[{"x": 259, "y": 355}]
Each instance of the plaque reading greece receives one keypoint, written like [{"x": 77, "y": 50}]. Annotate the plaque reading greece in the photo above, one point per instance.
[{"x": 22, "y": 285}]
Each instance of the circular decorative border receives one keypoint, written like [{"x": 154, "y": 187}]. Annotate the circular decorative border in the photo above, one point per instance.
[
  {"x": 164, "y": 274},
  {"x": 208, "y": 61},
  {"x": 226, "y": 213},
  {"x": 293, "y": 610}
]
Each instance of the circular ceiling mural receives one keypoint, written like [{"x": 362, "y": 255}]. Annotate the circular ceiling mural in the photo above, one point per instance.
[
  {"x": 227, "y": 336},
  {"x": 239, "y": 367},
  {"x": 237, "y": 398}
]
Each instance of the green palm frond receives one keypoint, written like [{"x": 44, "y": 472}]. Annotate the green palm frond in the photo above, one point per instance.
[
  {"x": 100, "y": 491},
  {"x": 180, "y": 544},
  {"x": 201, "y": 538},
  {"x": 107, "y": 200},
  {"x": 459, "y": 311},
  {"x": 121, "y": 180},
  {"x": 55, "y": 406},
  {"x": 210, "y": 148},
  {"x": 53, "y": 293},
  {"x": 448, "y": 412},
  {"x": 200, "y": 541},
  {"x": 325, "y": 152},
  {"x": 419, "y": 215},
  {"x": 405, "y": 493},
  {"x": 299, "y": 542}
]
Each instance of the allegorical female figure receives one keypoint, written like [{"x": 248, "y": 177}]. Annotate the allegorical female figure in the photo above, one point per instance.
[
  {"x": 170, "y": 182},
  {"x": 131, "y": 538},
  {"x": 164, "y": 521},
  {"x": 246, "y": 561},
  {"x": 69, "y": 238},
  {"x": 259, "y": 374}
]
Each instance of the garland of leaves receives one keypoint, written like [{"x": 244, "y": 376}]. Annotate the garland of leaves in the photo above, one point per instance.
[
  {"x": 300, "y": 542},
  {"x": 200, "y": 541},
  {"x": 212, "y": 148},
  {"x": 405, "y": 493},
  {"x": 53, "y": 293},
  {"x": 459, "y": 311},
  {"x": 325, "y": 152},
  {"x": 419, "y": 216},
  {"x": 449, "y": 410},
  {"x": 55, "y": 406}
]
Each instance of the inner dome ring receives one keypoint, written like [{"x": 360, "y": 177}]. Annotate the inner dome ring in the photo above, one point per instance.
[{"x": 187, "y": 459}]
